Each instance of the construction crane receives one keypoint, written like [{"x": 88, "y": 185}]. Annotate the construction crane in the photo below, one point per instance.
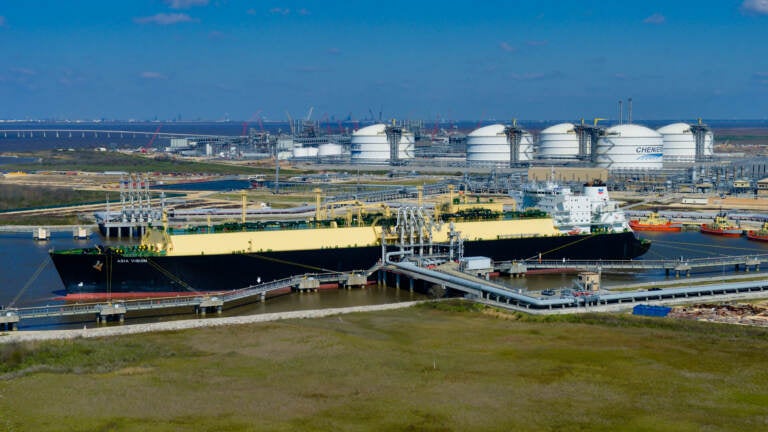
[
  {"x": 261, "y": 124},
  {"x": 597, "y": 119},
  {"x": 253, "y": 117},
  {"x": 309, "y": 114},
  {"x": 327, "y": 123},
  {"x": 151, "y": 140},
  {"x": 290, "y": 123}
]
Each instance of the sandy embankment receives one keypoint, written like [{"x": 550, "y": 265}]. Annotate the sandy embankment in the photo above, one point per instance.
[{"x": 93, "y": 332}]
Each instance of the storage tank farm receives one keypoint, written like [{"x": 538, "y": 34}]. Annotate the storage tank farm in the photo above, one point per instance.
[
  {"x": 371, "y": 145},
  {"x": 558, "y": 142},
  {"x": 490, "y": 145},
  {"x": 629, "y": 146}
]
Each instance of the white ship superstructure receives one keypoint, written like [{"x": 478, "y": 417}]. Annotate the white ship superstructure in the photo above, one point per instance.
[{"x": 591, "y": 211}]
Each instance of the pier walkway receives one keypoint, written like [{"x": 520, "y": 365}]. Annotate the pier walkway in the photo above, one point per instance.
[
  {"x": 448, "y": 277},
  {"x": 681, "y": 265},
  {"x": 200, "y": 302}
]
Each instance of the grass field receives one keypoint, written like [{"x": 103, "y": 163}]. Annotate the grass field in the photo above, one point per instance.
[
  {"x": 88, "y": 160},
  {"x": 436, "y": 367}
]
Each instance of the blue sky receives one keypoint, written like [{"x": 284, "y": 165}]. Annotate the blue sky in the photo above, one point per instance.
[{"x": 527, "y": 59}]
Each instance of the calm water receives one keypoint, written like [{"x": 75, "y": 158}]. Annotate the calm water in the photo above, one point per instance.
[{"x": 22, "y": 258}]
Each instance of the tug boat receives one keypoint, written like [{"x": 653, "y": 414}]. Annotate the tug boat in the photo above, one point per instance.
[
  {"x": 759, "y": 234},
  {"x": 654, "y": 223},
  {"x": 722, "y": 226}
]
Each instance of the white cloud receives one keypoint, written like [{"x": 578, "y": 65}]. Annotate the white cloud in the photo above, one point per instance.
[
  {"x": 165, "y": 19},
  {"x": 761, "y": 77},
  {"x": 150, "y": 75},
  {"x": 507, "y": 47},
  {"x": 656, "y": 18},
  {"x": 185, "y": 4},
  {"x": 279, "y": 11},
  {"x": 539, "y": 76},
  {"x": 334, "y": 51},
  {"x": 2, "y": 21},
  {"x": 302, "y": 11},
  {"x": 24, "y": 71},
  {"x": 755, "y": 6}
]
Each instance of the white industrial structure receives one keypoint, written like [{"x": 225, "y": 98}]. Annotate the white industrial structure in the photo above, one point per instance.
[
  {"x": 371, "y": 145},
  {"x": 680, "y": 142},
  {"x": 304, "y": 152},
  {"x": 558, "y": 142},
  {"x": 629, "y": 146},
  {"x": 329, "y": 150},
  {"x": 491, "y": 144}
]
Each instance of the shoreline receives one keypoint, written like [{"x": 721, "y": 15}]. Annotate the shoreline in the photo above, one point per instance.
[{"x": 95, "y": 332}]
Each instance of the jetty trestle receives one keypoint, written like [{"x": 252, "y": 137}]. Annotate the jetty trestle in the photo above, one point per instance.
[
  {"x": 679, "y": 266},
  {"x": 9, "y": 320},
  {"x": 200, "y": 303}
]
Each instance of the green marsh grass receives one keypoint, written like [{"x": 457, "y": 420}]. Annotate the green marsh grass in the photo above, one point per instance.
[{"x": 448, "y": 366}]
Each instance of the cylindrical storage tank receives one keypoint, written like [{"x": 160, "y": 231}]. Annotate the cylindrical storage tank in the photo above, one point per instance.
[
  {"x": 630, "y": 146},
  {"x": 329, "y": 149},
  {"x": 679, "y": 142},
  {"x": 489, "y": 144},
  {"x": 407, "y": 147},
  {"x": 370, "y": 144},
  {"x": 526, "y": 147},
  {"x": 558, "y": 142},
  {"x": 285, "y": 144},
  {"x": 305, "y": 152},
  {"x": 709, "y": 144}
]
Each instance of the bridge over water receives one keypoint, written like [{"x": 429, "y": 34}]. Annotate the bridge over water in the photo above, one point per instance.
[{"x": 96, "y": 133}]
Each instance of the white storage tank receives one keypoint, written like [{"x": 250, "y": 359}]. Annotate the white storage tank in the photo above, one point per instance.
[
  {"x": 370, "y": 144},
  {"x": 489, "y": 144},
  {"x": 709, "y": 144},
  {"x": 329, "y": 150},
  {"x": 558, "y": 142},
  {"x": 630, "y": 146},
  {"x": 679, "y": 142},
  {"x": 304, "y": 152}
]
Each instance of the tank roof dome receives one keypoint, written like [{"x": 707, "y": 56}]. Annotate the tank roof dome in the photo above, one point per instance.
[
  {"x": 490, "y": 130},
  {"x": 559, "y": 128},
  {"x": 675, "y": 128},
  {"x": 632, "y": 130},
  {"x": 375, "y": 129}
]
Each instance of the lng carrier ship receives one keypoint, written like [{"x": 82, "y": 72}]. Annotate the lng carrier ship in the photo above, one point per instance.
[{"x": 216, "y": 258}]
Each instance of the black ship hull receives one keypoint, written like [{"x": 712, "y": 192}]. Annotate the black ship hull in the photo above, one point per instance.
[{"x": 110, "y": 272}]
